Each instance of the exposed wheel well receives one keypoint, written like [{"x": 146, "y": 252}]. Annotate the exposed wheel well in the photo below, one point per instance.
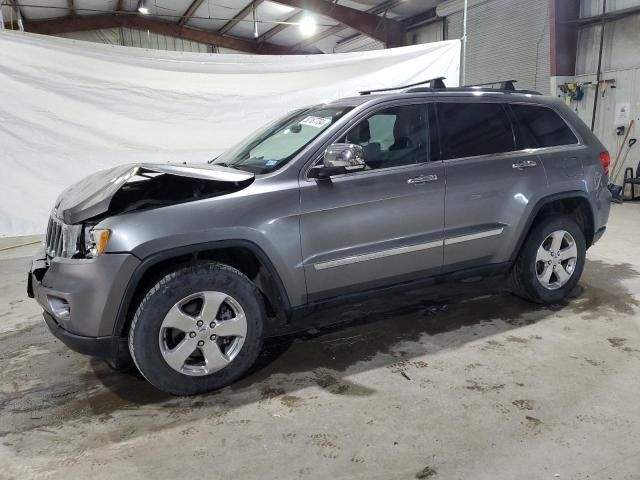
[
  {"x": 242, "y": 258},
  {"x": 576, "y": 207}
]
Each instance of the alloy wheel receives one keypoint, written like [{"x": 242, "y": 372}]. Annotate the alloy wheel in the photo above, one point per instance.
[
  {"x": 556, "y": 259},
  {"x": 202, "y": 333}
]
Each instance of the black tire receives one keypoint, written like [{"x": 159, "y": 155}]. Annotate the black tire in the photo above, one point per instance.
[
  {"x": 523, "y": 278},
  {"x": 145, "y": 327}
]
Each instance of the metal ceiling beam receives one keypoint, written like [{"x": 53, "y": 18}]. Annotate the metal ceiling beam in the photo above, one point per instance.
[
  {"x": 190, "y": 12},
  {"x": 80, "y": 23},
  {"x": 278, "y": 28},
  {"x": 379, "y": 28},
  {"x": 607, "y": 17},
  {"x": 239, "y": 16},
  {"x": 563, "y": 36},
  {"x": 422, "y": 18},
  {"x": 378, "y": 9}
]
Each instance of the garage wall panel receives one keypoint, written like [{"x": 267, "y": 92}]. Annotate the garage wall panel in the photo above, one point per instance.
[{"x": 506, "y": 39}]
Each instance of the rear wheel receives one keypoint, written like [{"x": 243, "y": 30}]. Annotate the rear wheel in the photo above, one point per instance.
[
  {"x": 551, "y": 261},
  {"x": 198, "y": 329}
]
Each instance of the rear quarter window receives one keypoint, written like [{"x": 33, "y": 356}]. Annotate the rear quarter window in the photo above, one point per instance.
[{"x": 541, "y": 127}]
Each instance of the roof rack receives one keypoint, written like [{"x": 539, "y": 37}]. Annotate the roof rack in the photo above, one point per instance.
[
  {"x": 506, "y": 85},
  {"x": 434, "y": 83},
  {"x": 500, "y": 86}
]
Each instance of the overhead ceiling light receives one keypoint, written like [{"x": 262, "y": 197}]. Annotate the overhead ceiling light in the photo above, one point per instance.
[
  {"x": 255, "y": 22},
  {"x": 143, "y": 8},
  {"x": 307, "y": 25}
]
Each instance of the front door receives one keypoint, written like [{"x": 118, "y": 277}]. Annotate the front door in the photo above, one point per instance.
[{"x": 382, "y": 225}]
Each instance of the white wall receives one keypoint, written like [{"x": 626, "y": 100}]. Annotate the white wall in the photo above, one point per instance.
[{"x": 621, "y": 62}]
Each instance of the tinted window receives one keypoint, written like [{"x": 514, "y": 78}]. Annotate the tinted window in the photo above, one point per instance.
[
  {"x": 392, "y": 137},
  {"x": 470, "y": 129},
  {"x": 542, "y": 127}
]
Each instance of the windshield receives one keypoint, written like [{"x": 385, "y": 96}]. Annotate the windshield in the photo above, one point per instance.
[{"x": 277, "y": 143}]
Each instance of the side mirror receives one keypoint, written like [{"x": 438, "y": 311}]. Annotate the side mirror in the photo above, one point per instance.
[{"x": 340, "y": 158}]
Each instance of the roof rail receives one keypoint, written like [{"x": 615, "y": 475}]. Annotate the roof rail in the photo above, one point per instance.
[
  {"x": 507, "y": 85},
  {"x": 503, "y": 86},
  {"x": 434, "y": 83}
]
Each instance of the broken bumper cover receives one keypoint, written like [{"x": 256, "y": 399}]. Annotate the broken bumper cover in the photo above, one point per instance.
[{"x": 80, "y": 299}]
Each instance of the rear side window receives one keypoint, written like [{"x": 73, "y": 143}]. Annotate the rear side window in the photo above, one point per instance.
[
  {"x": 542, "y": 127},
  {"x": 472, "y": 129}
]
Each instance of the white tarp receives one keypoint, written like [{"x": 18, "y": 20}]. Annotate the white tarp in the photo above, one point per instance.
[{"x": 70, "y": 108}]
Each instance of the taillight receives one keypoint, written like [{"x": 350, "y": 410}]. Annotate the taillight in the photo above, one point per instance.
[{"x": 605, "y": 158}]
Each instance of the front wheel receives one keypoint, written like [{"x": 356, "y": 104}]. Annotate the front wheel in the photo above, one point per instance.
[
  {"x": 197, "y": 329},
  {"x": 551, "y": 261}
]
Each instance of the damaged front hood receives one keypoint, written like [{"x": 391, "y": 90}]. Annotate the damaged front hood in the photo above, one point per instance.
[{"x": 134, "y": 186}]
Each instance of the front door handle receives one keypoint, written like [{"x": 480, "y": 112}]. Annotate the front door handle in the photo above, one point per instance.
[
  {"x": 524, "y": 164},
  {"x": 422, "y": 179}
]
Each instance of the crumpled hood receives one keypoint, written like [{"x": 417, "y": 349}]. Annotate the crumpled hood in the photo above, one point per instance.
[{"x": 145, "y": 184}]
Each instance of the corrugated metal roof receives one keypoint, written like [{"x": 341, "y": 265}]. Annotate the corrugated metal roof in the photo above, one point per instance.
[{"x": 212, "y": 15}]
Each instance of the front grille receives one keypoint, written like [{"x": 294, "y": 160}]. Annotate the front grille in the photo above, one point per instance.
[{"x": 61, "y": 239}]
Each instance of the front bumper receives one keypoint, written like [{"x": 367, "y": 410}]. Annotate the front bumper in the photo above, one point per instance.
[
  {"x": 92, "y": 289},
  {"x": 108, "y": 348}
]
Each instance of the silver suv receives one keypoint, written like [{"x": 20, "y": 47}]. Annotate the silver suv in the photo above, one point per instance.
[{"x": 186, "y": 269}]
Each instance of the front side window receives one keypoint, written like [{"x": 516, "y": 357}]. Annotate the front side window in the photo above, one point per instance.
[
  {"x": 392, "y": 137},
  {"x": 542, "y": 127},
  {"x": 277, "y": 143},
  {"x": 472, "y": 129}
]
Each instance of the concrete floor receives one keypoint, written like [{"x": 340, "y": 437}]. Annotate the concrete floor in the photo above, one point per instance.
[{"x": 489, "y": 387}]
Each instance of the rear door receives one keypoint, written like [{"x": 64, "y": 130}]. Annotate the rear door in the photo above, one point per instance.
[
  {"x": 379, "y": 226},
  {"x": 490, "y": 182}
]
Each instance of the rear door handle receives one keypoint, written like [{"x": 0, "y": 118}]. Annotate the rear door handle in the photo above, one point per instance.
[
  {"x": 422, "y": 179},
  {"x": 524, "y": 164}
]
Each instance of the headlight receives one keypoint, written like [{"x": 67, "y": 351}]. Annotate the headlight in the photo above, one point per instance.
[{"x": 95, "y": 240}]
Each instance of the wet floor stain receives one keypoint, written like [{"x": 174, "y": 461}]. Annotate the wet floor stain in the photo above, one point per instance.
[
  {"x": 51, "y": 388},
  {"x": 482, "y": 387},
  {"x": 292, "y": 401},
  {"x": 533, "y": 422},
  {"x": 523, "y": 404},
  {"x": 426, "y": 472}
]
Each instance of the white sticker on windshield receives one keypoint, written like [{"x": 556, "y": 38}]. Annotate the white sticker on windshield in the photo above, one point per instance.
[{"x": 316, "y": 122}]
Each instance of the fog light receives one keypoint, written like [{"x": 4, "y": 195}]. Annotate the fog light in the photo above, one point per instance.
[{"x": 60, "y": 308}]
